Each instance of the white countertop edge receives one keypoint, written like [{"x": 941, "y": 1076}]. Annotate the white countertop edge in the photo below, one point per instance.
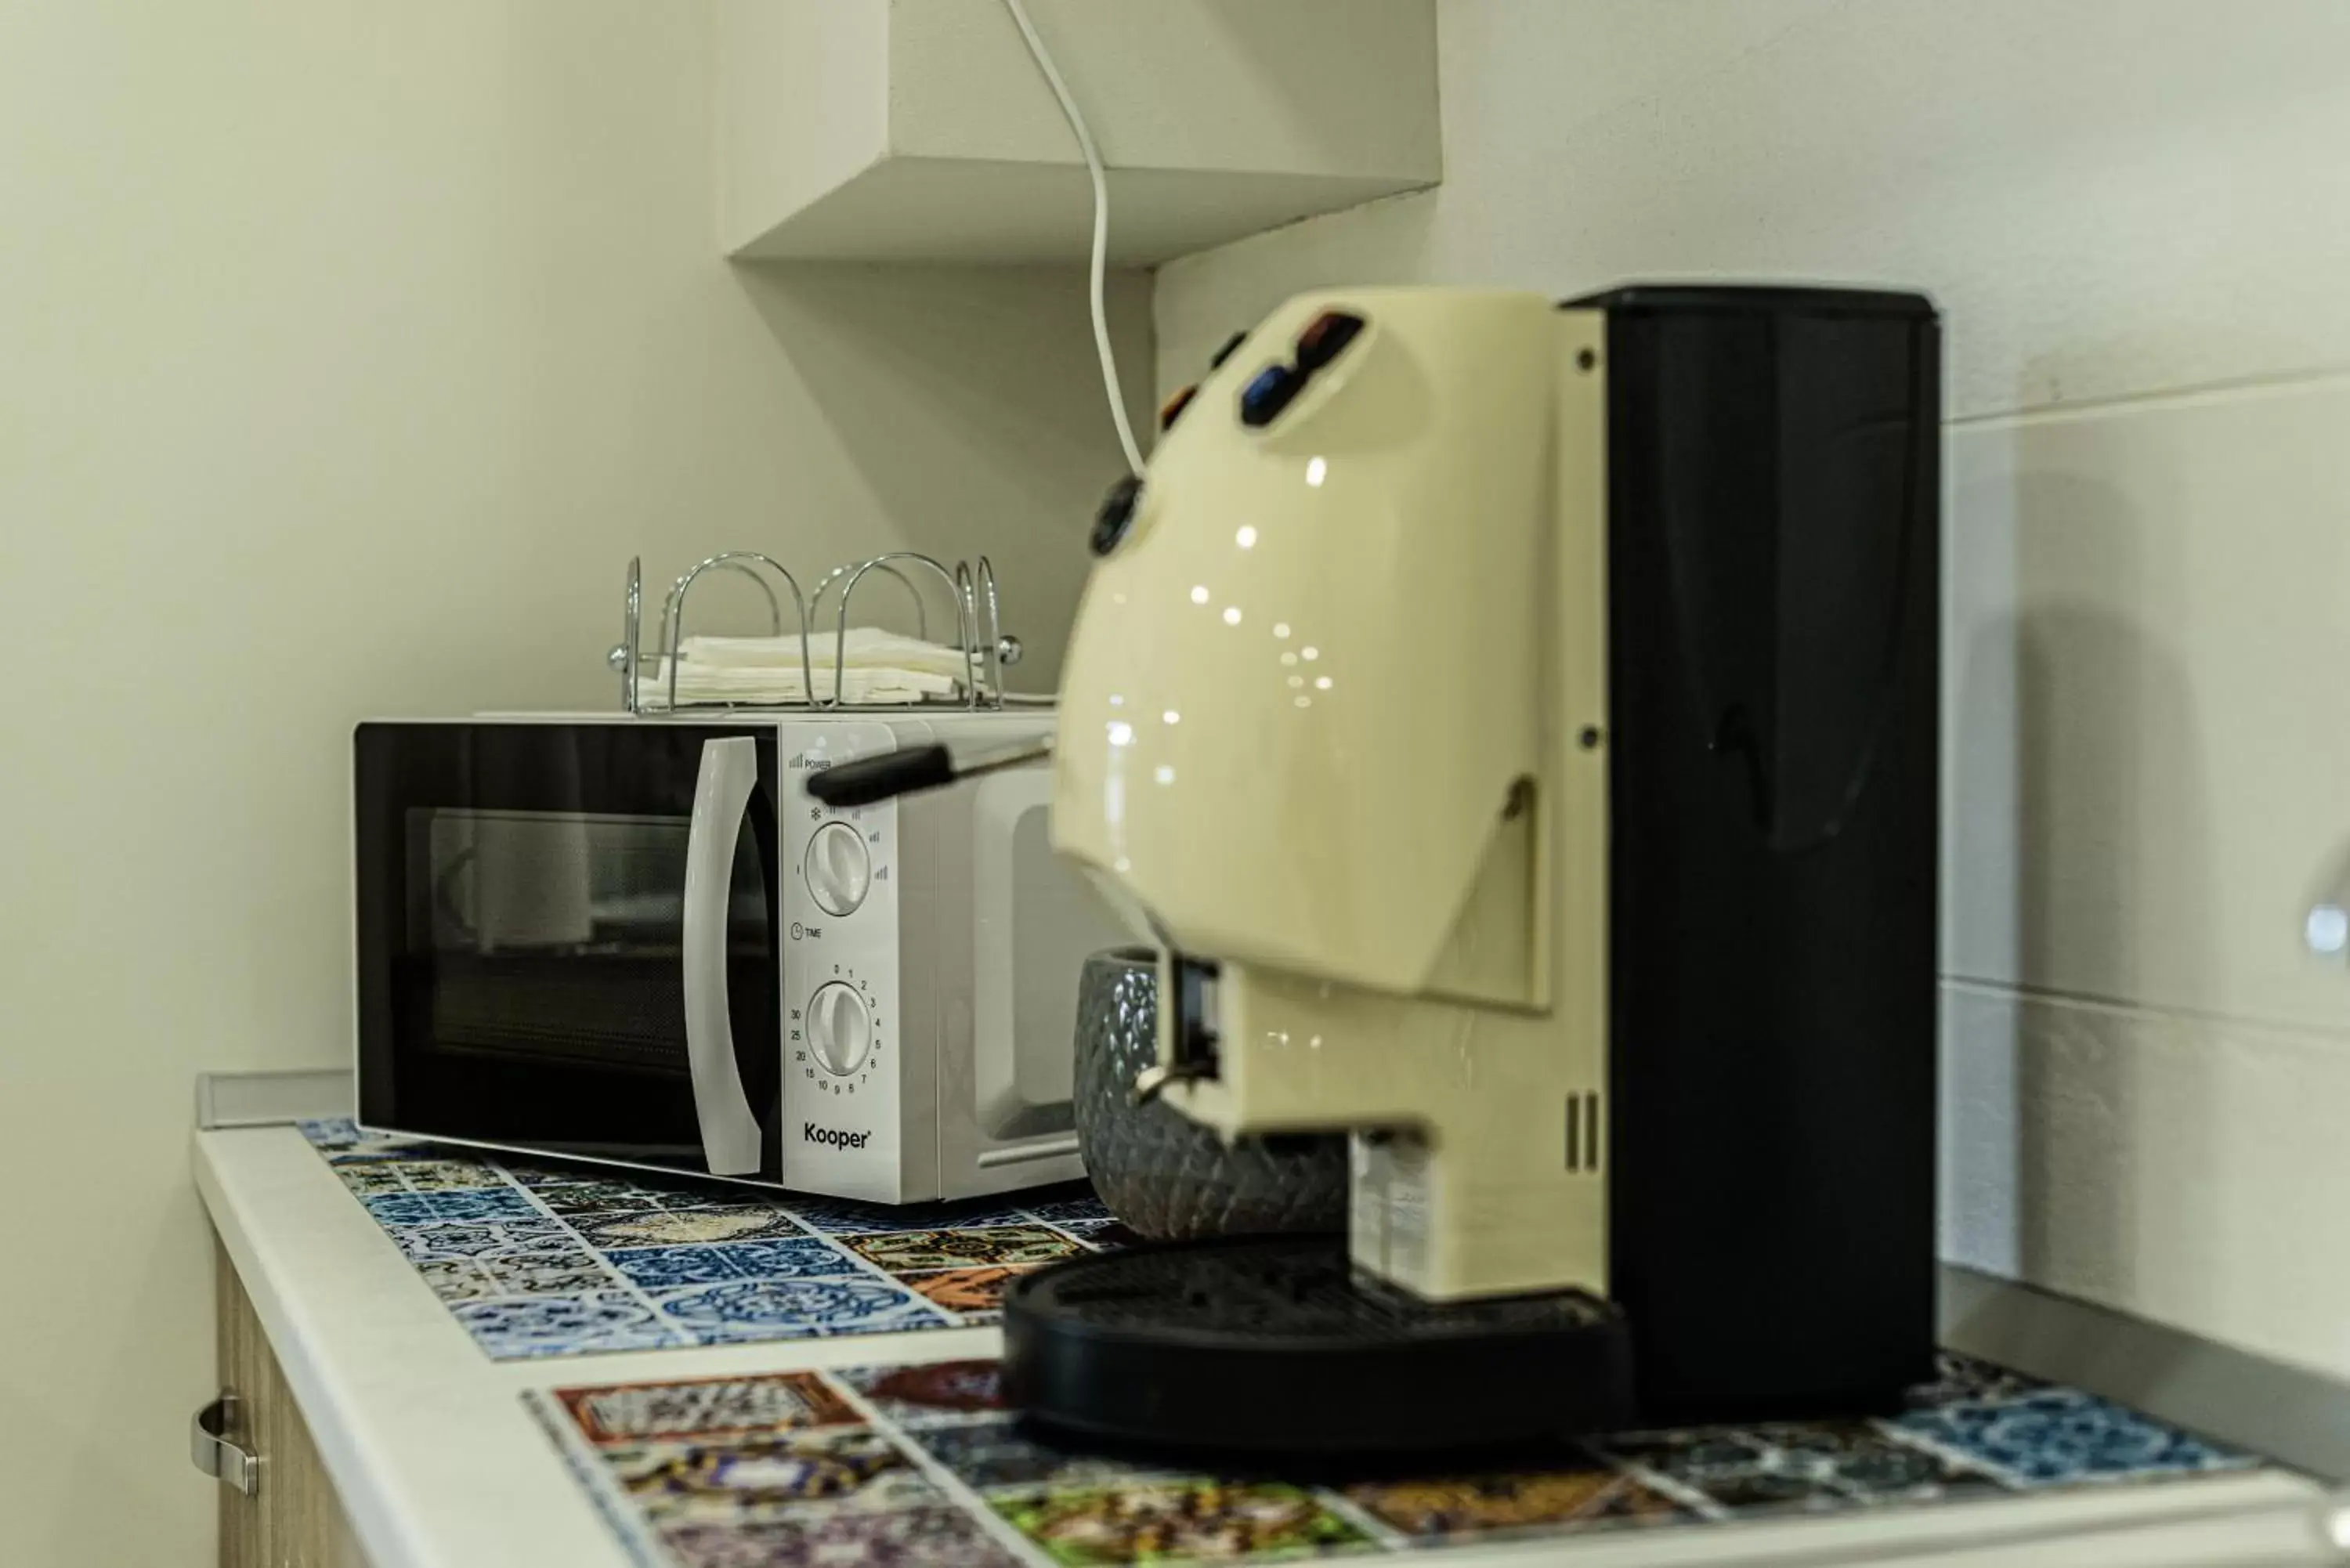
[
  {"x": 438, "y": 1465},
  {"x": 437, "y": 1462}
]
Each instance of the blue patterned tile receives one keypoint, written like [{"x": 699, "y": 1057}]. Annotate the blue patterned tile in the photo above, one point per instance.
[
  {"x": 658, "y": 1268},
  {"x": 343, "y": 1142},
  {"x": 498, "y": 1239},
  {"x": 2056, "y": 1436},
  {"x": 433, "y": 1208},
  {"x": 381, "y": 1178},
  {"x": 526, "y": 1326},
  {"x": 330, "y": 1132},
  {"x": 605, "y": 1196},
  {"x": 794, "y": 1309},
  {"x": 507, "y": 1245},
  {"x": 553, "y": 1273}
]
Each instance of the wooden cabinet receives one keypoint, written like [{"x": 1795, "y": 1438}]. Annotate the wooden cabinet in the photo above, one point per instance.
[{"x": 292, "y": 1518}]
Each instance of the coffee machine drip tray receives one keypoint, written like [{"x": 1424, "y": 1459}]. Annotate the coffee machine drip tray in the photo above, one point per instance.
[{"x": 1271, "y": 1347}]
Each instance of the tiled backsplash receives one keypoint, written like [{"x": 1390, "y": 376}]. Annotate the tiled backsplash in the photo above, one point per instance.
[
  {"x": 921, "y": 1464},
  {"x": 539, "y": 1260}
]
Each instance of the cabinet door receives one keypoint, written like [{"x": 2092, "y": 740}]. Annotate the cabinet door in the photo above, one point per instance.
[{"x": 292, "y": 1520}]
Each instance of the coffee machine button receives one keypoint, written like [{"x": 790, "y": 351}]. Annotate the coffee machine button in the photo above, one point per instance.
[
  {"x": 1172, "y": 409},
  {"x": 1326, "y": 337},
  {"x": 838, "y": 869},
  {"x": 840, "y": 1028},
  {"x": 1268, "y": 392},
  {"x": 1116, "y": 515}
]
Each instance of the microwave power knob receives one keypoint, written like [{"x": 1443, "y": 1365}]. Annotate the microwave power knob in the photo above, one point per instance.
[
  {"x": 840, "y": 1028},
  {"x": 839, "y": 869}
]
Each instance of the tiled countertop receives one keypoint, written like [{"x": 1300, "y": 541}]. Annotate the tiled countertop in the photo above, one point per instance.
[
  {"x": 544, "y": 1259},
  {"x": 442, "y": 1463}
]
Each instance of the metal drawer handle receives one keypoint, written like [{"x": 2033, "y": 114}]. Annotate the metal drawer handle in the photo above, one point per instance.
[{"x": 214, "y": 1454}]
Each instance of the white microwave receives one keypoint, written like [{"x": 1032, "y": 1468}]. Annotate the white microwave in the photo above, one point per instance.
[{"x": 639, "y": 941}]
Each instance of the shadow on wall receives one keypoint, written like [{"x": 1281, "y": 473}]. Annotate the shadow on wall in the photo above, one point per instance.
[
  {"x": 2069, "y": 717},
  {"x": 1390, "y": 242},
  {"x": 968, "y": 401}
]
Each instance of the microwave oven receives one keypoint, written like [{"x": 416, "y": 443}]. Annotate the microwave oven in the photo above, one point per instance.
[{"x": 639, "y": 941}]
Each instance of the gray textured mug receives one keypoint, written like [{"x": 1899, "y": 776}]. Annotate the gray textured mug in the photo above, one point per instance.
[{"x": 1166, "y": 1176}]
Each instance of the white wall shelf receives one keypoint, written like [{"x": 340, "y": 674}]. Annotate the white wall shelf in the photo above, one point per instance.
[{"x": 921, "y": 130}]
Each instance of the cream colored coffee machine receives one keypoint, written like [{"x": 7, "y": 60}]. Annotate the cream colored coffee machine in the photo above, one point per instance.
[
  {"x": 1518, "y": 722},
  {"x": 1325, "y": 717}
]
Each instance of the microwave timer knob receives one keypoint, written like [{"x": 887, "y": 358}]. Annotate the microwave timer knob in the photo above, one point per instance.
[
  {"x": 840, "y": 1028},
  {"x": 839, "y": 869}
]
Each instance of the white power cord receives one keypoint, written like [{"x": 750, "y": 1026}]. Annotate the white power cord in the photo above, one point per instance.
[{"x": 1043, "y": 59}]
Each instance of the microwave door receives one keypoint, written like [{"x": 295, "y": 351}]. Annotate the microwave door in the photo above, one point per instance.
[
  {"x": 524, "y": 959},
  {"x": 727, "y": 781}
]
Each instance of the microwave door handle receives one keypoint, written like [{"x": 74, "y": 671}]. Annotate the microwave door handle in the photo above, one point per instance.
[{"x": 730, "y": 1132}]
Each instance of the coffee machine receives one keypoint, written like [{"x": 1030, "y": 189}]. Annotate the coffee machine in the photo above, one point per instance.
[{"x": 1518, "y": 722}]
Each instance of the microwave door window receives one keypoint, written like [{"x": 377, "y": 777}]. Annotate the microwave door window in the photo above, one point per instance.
[{"x": 542, "y": 979}]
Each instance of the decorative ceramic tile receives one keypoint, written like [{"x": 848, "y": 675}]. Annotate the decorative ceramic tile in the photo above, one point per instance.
[
  {"x": 374, "y": 1178},
  {"x": 433, "y": 1208},
  {"x": 658, "y": 1268},
  {"x": 341, "y": 1140},
  {"x": 522, "y": 1326},
  {"x": 896, "y": 1464},
  {"x": 977, "y": 1290},
  {"x": 539, "y": 1259},
  {"x": 569, "y": 1199},
  {"x": 994, "y": 1453},
  {"x": 375, "y": 1150},
  {"x": 1963, "y": 1379},
  {"x": 833, "y": 1470},
  {"x": 684, "y": 1226},
  {"x": 1578, "y": 1497},
  {"x": 1110, "y": 1235},
  {"x": 909, "y": 1251},
  {"x": 788, "y": 1309},
  {"x": 329, "y": 1133},
  {"x": 2057, "y": 1437},
  {"x": 1086, "y": 1210},
  {"x": 929, "y": 1537},
  {"x": 500, "y": 1239},
  {"x": 928, "y": 1391},
  {"x": 1176, "y": 1519},
  {"x": 838, "y": 1216},
  {"x": 525, "y": 1174},
  {"x": 1816, "y": 1467},
  {"x": 528, "y": 1274},
  {"x": 705, "y": 1410}
]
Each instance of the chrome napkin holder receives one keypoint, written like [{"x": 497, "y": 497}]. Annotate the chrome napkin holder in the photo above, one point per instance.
[{"x": 987, "y": 650}]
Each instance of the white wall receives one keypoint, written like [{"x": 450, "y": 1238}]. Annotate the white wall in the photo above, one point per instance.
[
  {"x": 2135, "y": 214},
  {"x": 347, "y": 352}
]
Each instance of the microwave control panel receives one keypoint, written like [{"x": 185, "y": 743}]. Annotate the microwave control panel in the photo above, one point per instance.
[{"x": 839, "y": 871}]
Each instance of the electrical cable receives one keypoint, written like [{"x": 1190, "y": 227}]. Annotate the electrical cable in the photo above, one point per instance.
[{"x": 1037, "y": 52}]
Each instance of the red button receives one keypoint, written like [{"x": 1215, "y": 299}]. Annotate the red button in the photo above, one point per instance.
[{"x": 1326, "y": 337}]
